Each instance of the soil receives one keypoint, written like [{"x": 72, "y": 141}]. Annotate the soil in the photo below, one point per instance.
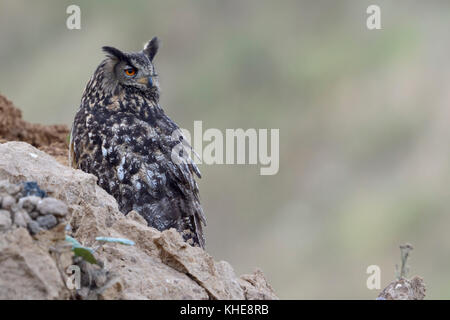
[{"x": 52, "y": 139}]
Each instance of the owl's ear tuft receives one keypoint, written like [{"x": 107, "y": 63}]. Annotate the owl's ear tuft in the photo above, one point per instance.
[
  {"x": 115, "y": 53},
  {"x": 151, "y": 48}
]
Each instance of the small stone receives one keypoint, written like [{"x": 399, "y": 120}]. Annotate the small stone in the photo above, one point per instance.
[
  {"x": 8, "y": 202},
  {"x": 33, "y": 227},
  {"x": 52, "y": 206},
  {"x": 5, "y": 220},
  {"x": 9, "y": 188},
  {"x": 29, "y": 203},
  {"x": 21, "y": 218},
  {"x": 47, "y": 222}
]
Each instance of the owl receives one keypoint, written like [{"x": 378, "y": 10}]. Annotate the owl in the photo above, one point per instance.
[{"x": 121, "y": 135}]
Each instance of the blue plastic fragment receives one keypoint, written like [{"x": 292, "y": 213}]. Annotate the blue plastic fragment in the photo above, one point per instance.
[
  {"x": 73, "y": 241},
  {"x": 31, "y": 188},
  {"x": 117, "y": 240},
  {"x": 76, "y": 244}
]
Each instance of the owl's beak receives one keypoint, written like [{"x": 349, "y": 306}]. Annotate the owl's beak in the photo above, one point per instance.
[{"x": 148, "y": 81}]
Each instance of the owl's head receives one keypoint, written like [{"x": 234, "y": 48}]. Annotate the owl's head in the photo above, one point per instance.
[{"x": 134, "y": 71}]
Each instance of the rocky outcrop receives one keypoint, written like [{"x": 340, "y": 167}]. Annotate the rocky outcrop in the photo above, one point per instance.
[{"x": 160, "y": 265}]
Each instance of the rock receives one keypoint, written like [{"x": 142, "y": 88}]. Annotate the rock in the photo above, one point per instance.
[
  {"x": 9, "y": 188},
  {"x": 217, "y": 278},
  {"x": 256, "y": 287},
  {"x": 29, "y": 203},
  {"x": 27, "y": 271},
  {"x": 47, "y": 221},
  {"x": 63, "y": 183},
  {"x": 21, "y": 218},
  {"x": 133, "y": 262},
  {"x": 52, "y": 206},
  {"x": 5, "y": 220},
  {"x": 8, "y": 202},
  {"x": 33, "y": 227},
  {"x": 159, "y": 266}
]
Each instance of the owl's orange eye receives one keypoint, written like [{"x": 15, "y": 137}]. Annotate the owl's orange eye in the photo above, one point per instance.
[{"x": 130, "y": 71}]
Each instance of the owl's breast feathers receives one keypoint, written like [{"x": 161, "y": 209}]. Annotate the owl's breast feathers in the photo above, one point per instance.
[{"x": 126, "y": 141}]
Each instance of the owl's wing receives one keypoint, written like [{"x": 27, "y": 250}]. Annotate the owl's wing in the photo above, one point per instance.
[
  {"x": 193, "y": 166},
  {"x": 182, "y": 169}
]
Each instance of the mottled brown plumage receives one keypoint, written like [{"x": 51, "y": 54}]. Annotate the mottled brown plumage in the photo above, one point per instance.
[{"x": 121, "y": 135}]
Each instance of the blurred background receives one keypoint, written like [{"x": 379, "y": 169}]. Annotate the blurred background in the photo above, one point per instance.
[{"x": 363, "y": 118}]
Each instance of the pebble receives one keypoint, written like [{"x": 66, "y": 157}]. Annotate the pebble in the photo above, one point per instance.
[
  {"x": 47, "y": 221},
  {"x": 21, "y": 218},
  {"x": 52, "y": 206},
  {"x": 26, "y": 205},
  {"x": 8, "y": 202},
  {"x": 33, "y": 227},
  {"x": 9, "y": 188},
  {"x": 5, "y": 220},
  {"x": 29, "y": 203}
]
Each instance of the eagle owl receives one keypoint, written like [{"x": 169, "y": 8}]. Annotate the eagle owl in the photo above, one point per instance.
[{"x": 122, "y": 135}]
